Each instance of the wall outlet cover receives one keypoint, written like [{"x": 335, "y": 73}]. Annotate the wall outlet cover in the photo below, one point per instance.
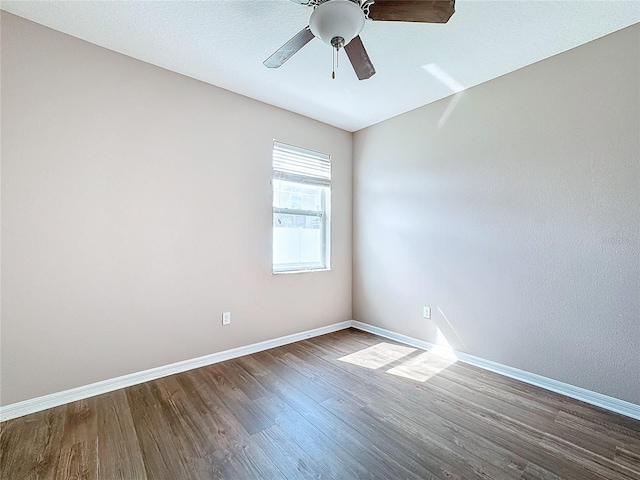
[{"x": 226, "y": 318}]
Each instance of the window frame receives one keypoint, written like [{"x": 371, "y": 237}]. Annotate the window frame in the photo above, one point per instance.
[{"x": 324, "y": 213}]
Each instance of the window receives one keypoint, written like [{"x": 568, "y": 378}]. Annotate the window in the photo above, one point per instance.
[{"x": 301, "y": 209}]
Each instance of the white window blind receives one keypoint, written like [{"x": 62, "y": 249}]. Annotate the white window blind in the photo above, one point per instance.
[{"x": 295, "y": 164}]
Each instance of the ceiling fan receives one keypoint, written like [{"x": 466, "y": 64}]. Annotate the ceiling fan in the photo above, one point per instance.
[{"x": 339, "y": 22}]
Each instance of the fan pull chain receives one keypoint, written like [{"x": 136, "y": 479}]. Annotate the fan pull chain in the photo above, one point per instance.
[{"x": 337, "y": 43}]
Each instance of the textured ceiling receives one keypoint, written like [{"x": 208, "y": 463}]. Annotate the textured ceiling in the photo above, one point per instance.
[{"x": 224, "y": 42}]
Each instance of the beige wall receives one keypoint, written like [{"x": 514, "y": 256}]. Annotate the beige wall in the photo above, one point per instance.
[
  {"x": 136, "y": 209},
  {"x": 514, "y": 208}
]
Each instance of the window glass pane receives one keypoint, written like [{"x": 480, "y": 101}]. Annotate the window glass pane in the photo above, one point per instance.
[
  {"x": 288, "y": 220},
  {"x": 297, "y": 196},
  {"x": 298, "y": 240}
]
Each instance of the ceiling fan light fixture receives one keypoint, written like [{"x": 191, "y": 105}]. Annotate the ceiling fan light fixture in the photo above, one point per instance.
[{"x": 337, "y": 19}]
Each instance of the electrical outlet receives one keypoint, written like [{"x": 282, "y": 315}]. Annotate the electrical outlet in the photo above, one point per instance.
[
  {"x": 226, "y": 318},
  {"x": 426, "y": 312}
]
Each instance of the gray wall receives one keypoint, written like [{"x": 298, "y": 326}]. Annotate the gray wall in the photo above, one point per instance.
[
  {"x": 136, "y": 209},
  {"x": 513, "y": 209}
]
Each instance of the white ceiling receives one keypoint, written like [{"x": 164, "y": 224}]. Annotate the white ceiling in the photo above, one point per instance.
[{"x": 224, "y": 42}]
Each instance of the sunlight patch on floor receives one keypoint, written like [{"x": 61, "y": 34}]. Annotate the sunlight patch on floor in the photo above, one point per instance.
[
  {"x": 426, "y": 365},
  {"x": 378, "y": 355}
]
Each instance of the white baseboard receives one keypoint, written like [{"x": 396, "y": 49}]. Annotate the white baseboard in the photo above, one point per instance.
[
  {"x": 60, "y": 398},
  {"x": 603, "y": 401},
  {"x": 37, "y": 404},
  {"x": 398, "y": 337}
]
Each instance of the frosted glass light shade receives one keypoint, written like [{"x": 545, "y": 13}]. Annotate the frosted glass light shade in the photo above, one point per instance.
[{"x": 337, "y": 18}]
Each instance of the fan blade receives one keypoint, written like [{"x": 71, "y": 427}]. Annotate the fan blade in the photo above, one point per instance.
[
  {"x": 286, "y": 51},
  {"x": 359, "y": 59},
  {"x": 301, "y": 2},
  {"x": 426, "y": 11}
]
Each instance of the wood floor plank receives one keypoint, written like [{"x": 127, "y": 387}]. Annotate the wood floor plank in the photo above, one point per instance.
[
  {"x": 79, "y": 446},
  {"x": 313, "y": 441},
  {"x": 119, "y": 453},
  {"x": 250, "y": 461},
  {"x": 215, "y": 466},
  {"x": 160, "y": 453},
  {"x": 429, "y": 428},
  {"x": 618, "y": 433},
  {"x": 589, "y": 460},
  {"x": 399, "y": 446},
  {"x": 340, "y": 406},
  {"x": 217, "y": 423},
  {"x": 305, "y": 383},
  {"x": 535, "y": 472},
  {"x": 182, "y": 418},
  {"x": 628, "y": 458},
  {"x": 338, "y": 462},
  {"x": 250, "y": 417},
  {"x": 234, "y": 449},
  {"x": 245, "y": 382},
  {"x": 326, "y": 380},
  {"x": 295, "y": 462},
  {"x": 30, "y": 445},
  {"x": 78, "y": 461}
]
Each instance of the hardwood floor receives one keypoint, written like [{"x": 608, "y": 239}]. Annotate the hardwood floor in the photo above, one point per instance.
[{"x": 341, "y": 406}]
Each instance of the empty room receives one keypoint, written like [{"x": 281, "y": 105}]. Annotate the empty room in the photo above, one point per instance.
[{"x": 320, "y": 239}]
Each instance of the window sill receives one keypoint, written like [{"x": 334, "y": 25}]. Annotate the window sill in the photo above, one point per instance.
[{"x": 310, "y": 270}]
